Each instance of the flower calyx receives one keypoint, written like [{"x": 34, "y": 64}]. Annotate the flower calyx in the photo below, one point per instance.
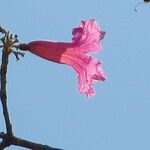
[{"x": 9, "y": 42}]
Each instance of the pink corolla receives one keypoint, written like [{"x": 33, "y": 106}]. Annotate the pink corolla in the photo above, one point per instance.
[{"x": 86, "y": 38}]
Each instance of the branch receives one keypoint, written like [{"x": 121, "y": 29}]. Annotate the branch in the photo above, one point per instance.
[
  {"x": 23, "y": 143},
  {"x": 8, "y": 138},
  {"x": 31, "y": 145},
  {"x": 2, "y": 30},
  {"x": 3, "y": 94}
]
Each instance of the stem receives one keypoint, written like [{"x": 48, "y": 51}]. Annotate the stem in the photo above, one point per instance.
[
  {"x": 13, "y": 140},
  {"x": 31, "y": 145},
  {"x": 8, "y": 138},
  {"x": 3, "y": 94}
]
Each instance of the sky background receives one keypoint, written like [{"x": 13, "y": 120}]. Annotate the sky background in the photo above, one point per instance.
[{"x": 44, "y": 102}]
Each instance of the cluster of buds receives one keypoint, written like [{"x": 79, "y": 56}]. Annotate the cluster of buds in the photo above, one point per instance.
[{"x": 9, "y": 43}]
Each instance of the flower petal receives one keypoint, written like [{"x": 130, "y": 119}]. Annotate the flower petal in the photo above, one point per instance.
[
  {"x": 87, "y": 36},
  {"x": 88, "y": 70}
]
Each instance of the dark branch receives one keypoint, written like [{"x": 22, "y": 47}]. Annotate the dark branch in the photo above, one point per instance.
[
  {"x": 8, "y": 139},
  {"x": 3, "y": 94},
  {"x": 31, "y": 145},
  {"x": 23, "y": 143},
  {"x": 17, "y": 54},
  {"x": 2, "y": 30}
]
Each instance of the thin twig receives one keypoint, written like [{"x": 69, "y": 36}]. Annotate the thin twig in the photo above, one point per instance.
[
  {"x": 17, "y": 54},
  {"x": 2, "y": 30},
  {"x": 3, "y": 94},
  {"x": 31, "y": 145},
  {"x": 13, "y": 140},
  {"x": 8, "y": 139}
]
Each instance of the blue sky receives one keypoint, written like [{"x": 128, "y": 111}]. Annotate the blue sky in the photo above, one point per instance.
[{"x": 45, "y": 105}]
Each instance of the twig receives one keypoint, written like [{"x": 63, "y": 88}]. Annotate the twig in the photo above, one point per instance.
[
  {"x": 17, "y": 54},
  {"x": 23, "y": 143},
  {"x": 3, "y": 94},
  {"x": 8, "y": 138},
  {"x": 2, "y": 30},
  {"x": 31, "y": 145}
]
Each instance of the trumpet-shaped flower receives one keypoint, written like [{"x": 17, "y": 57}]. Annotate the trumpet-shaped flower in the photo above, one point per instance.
[{"x": 86, "y": 38}]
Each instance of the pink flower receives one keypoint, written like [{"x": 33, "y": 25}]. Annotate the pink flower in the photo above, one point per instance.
[{"x": 86, "y": 38}]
